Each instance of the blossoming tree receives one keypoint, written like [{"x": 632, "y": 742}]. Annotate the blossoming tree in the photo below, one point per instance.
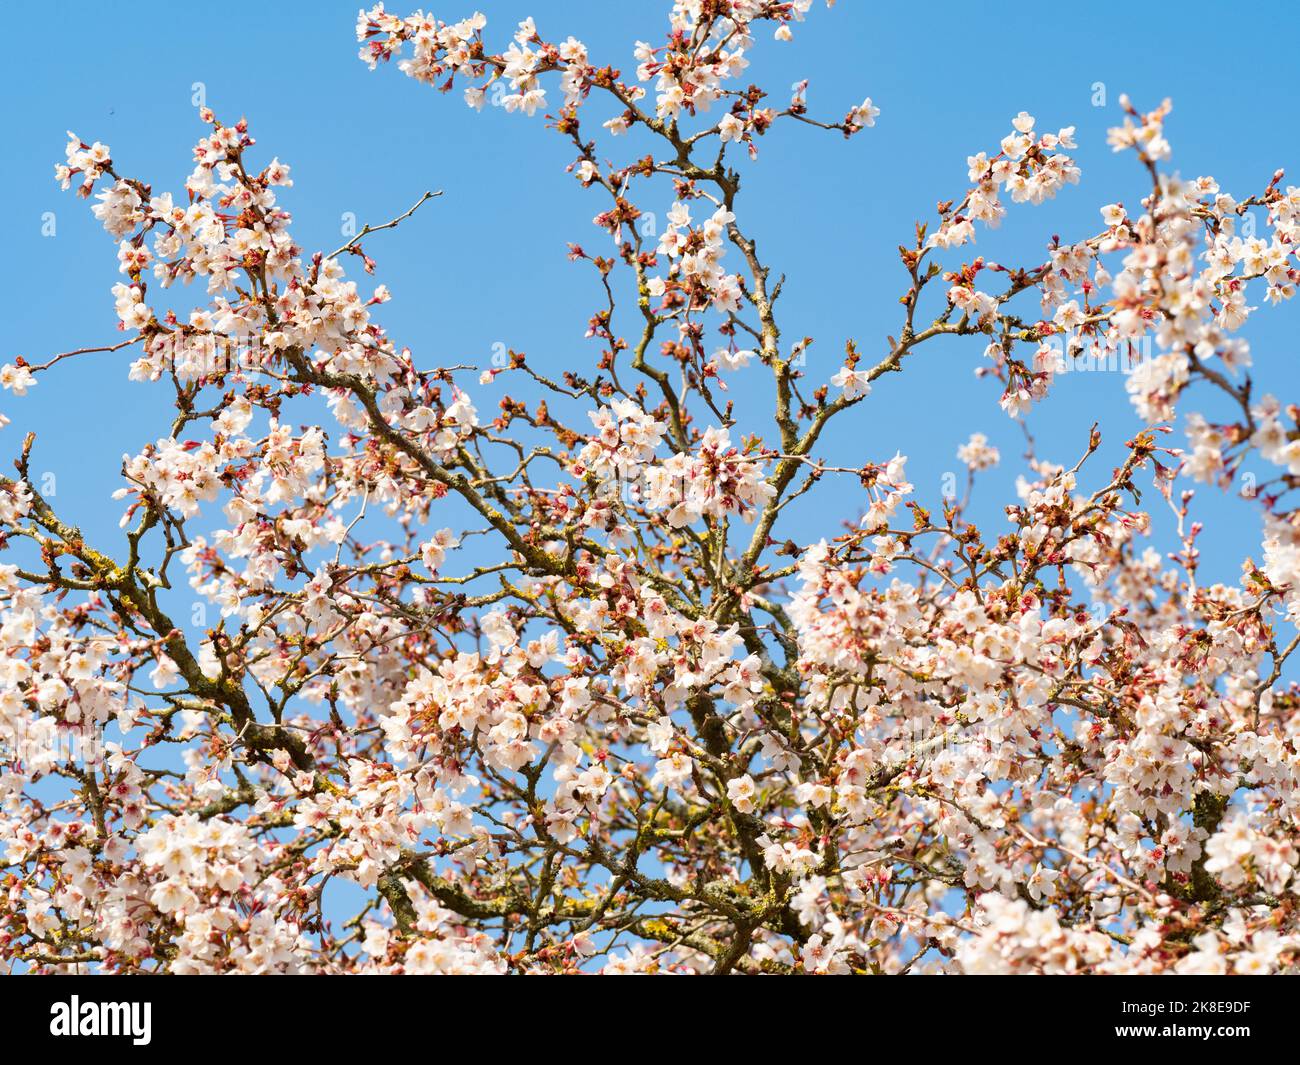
[{"x": 552, "y": 687}]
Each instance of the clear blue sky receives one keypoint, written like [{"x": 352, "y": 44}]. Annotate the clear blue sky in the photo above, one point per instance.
[{"x": 486, "y": 263}]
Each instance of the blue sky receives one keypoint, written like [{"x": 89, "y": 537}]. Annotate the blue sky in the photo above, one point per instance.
[{"x": 486, "y": 265}]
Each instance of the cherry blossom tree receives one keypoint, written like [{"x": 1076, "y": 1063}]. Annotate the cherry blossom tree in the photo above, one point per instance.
[{"x": 529, "y": 660}]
